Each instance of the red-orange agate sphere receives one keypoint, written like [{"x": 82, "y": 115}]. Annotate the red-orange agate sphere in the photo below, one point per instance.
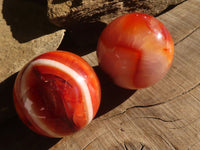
[
  {"x": 57, "y": 93},
  {"x": 135, "y": 50}
]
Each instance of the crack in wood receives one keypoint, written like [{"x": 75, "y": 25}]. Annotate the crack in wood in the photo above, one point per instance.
[
  {"x": 92, "y": 141},
  {"x": 187, "y": 35},
  {"x": 167, "y": 142},
  {"x": 156, "y": 104},
  {"x": 125, "y": 147},
  {"x": 89, "y": 143},
  {"x": 160, "y": 119},
  {"x": 184, "y": 126},
  {"x": 133, "y": 146},
  {"x": 142, "y": 146}
]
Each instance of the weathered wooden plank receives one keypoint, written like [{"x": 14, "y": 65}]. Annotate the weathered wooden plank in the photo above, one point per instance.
[
  {"x": 164, "y": 116},
  {"x": 182, "y": 20}
]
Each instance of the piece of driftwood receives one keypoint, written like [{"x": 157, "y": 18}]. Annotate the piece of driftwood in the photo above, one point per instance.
[{"x": 65, "y": 13}]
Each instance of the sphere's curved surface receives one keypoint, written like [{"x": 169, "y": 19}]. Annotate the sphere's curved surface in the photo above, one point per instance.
[
  {"x": 135, "y": 50},
  {"x": 57, "y": 93}
]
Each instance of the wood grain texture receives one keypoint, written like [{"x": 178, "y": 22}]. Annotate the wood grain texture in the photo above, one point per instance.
[{"x": 165, "y": 116}]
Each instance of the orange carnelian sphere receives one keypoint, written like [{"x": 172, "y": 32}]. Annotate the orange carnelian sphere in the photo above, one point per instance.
[
  {"x": 57, "y": 93},
  {"x": 135, "y": 50}
]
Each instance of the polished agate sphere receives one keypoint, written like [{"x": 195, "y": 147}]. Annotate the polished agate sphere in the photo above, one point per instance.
[
  {"x": 57, "y": 93},
  {"x": 135, "y": 50}
]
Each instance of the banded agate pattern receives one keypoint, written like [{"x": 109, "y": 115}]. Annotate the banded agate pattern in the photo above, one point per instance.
[{"x": 57, "y": 93}]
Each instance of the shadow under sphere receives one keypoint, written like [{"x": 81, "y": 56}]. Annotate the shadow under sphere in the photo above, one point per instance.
[
  {"x": 14, "y": 134},
  {"x": 112, "y": 95},
  {"x": 82, "y": 38}
]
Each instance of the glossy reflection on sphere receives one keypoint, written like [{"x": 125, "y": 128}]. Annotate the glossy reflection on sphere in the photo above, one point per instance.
[
  {"x": 135, "y": 50},
  {"x": 57, "y": 93}
]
